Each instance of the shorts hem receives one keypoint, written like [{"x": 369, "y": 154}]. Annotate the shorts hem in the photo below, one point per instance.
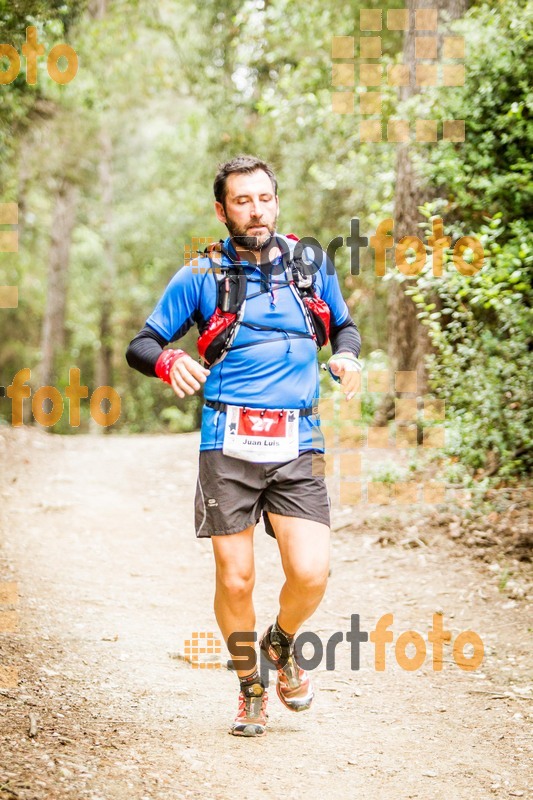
[
  {"x": 299, "y": 515},
  {"x": 227, "y": 533}
]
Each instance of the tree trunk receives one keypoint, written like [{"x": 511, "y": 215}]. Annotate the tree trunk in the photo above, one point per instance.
[
  {"x": 103, "y": 369},
  {"x": 408, "y": 339},
  {"x": 53, "y": 331},
  {"x": 97, "y": 8},
  {"x": 104, "y": 355}
]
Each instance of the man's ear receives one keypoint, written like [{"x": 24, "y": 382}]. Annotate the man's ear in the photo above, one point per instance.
[{"x": 219, "y": 211}]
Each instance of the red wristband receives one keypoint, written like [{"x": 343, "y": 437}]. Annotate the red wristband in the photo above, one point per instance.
[{"x": 165, "y": 361}]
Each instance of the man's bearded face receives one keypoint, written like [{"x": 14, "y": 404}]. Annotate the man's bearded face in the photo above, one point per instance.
[{"x": 250, "y": 209}]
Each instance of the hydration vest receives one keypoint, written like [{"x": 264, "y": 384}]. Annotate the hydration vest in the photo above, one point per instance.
[{"x": 218, "y": 334}]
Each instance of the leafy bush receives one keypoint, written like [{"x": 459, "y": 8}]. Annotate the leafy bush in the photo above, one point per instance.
[{"x": 480, "y": 325}]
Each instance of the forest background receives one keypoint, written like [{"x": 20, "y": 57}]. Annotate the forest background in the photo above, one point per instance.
[{"x": 112, "y": 174}]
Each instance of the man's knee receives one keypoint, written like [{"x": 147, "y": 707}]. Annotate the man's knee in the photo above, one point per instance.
[
  {"x": 308, "y": 579},
  {"x": 235, "y": 585}
]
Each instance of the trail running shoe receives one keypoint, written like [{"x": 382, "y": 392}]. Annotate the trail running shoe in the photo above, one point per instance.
[
  {"x": 251, "y": 717},
  {"x": 293, "y": 687}
]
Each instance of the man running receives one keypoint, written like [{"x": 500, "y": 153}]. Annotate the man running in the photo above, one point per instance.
[{"x": 260, "y": 318}]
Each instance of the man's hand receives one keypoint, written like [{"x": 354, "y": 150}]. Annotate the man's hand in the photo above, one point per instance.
[
  {"x": 186, "y": 375},
  {"x": 346, "y": 367}
]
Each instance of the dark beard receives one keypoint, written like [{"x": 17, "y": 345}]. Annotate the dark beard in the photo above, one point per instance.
[{"x": 252, "y": 243}]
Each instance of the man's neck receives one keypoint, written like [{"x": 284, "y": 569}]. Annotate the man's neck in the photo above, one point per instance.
[{"x": 263, "y": 255}]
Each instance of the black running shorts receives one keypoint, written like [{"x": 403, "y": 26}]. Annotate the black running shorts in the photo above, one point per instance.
[{"x": 231, "y": 493}]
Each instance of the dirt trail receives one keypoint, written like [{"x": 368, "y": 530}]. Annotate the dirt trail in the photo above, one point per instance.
[{"x": 98, "y": 534}]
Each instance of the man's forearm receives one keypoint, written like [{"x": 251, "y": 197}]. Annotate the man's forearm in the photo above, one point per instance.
[
  {"x": 345, "y": 338},
  {"x": 144, "y": 350}
]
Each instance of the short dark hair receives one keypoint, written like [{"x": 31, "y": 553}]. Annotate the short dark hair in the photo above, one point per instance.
[{"x": 240, "y": 164}]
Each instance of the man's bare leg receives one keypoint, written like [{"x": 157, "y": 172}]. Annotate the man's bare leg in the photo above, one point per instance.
[
  {"x": 234, "y": 610},
  {"x": 235, "y": 577},
  {"x": 304, "y": 549}
]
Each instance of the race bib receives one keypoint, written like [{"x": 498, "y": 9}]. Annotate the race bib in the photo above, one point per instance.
[{"x": 261, "y": 435}]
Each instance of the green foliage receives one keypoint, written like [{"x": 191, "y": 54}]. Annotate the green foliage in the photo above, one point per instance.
[
  {"x": 20, "y": 102},
  {"x": 480, "y": 325},
  {"x": 182, "y": 421},
  {"x": 491, "y": 172}
]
